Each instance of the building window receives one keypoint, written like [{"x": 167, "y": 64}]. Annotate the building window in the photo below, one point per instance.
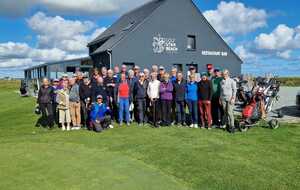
[
  {"x": 191, "y": 42},
  {"x": 178, "y": 66}
]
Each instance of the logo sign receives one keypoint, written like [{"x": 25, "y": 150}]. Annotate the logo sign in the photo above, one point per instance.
[
  {"x": 161, "y": 44},
  {"x": 215, "y": 53}
]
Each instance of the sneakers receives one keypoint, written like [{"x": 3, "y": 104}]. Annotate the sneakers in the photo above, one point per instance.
[
  {"x": 111, "y": 126},
  {"x": 196, "y": 126},
  {"x": 63, "y": 128},
  {"x": 68, "y": 128},
  {"x": 191, "y": 126}
]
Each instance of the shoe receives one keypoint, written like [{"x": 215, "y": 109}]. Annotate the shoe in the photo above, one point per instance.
[
  {"x": 63, "y": 128},
  {"x": 191, "y": 126},
  {"x": 111, "y": 126},
  {"x": 223, "y": 126},
  {"x": 68, "y": 128},
  {"x": 209, "y": 128},
  {"x": 202, "y": 127}
]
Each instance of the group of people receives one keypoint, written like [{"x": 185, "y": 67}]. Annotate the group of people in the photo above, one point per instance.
[{"x": 153, "y": 97}]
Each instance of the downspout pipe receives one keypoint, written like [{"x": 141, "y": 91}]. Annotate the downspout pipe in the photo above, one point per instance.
[{"x": 110, "y": 58}]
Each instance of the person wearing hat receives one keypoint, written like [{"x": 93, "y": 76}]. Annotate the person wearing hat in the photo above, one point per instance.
[
  {"x": 204, "y": 100},
  {"x": 140, "y": 94},
  {"x": 100, "y": 118},
  {"x": 217, "y": 110},
  {"x": 193, "y": 71},
  {"x": 62, "y": 99},
  {"x": 210, "y": 71},
  {"x": 161, "y": 73}
]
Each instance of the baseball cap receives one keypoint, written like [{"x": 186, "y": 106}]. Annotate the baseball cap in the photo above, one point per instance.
[
  {"x": 203, "y": 74},
  {"x": 217, "y": 69},
  {"x": 192, "y": 67},
  {"x": 209, "y": 66},
  {"x": 99, "y": 97},
  {"x": 161, "y": 68},
  {"x": 55, "y": 80},
  {"x": 65, "y": 75}
]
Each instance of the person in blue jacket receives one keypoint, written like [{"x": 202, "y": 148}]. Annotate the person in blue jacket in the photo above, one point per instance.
[
  {"x": 100, "y": 118},
  {"x": 192, "y": 99}
]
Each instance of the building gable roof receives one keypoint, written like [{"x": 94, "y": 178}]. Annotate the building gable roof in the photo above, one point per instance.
[{"x": 125, "y": 25}]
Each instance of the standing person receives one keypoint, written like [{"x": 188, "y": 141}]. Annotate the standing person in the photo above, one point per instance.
[
  {"x": 123, "y": 97},
  {"x": 56, "y": 87},
  {"x": 124, "y": 70},
  {"x": 166, "y": 96},
  {"x": 95, "y": 76},
  {"x": 179, "y": 97},
  {"x": 228, "y": 95},
  {"x": 153, "y": 94},
  {"x": 45, "y": 100},
  {"x": 131, "y": 81},
  {"x": 136, "y": 70},
  {"x": 100, "y": 118},
  {"x": 140, "y": 94},
  {"x": 191, "y": 99},
  {"x": 110, "y": 84},
  {"x": 174, "y": 74},
  {"x": 62, "y": 99},
  {"x": 155, "y": 69},
  {"x": 99, "y": 89},
  {"x": 85, "y": 93},
  {"x": 116, "y": 72},
  {"x": 79, "y": 79},
  {"x": 103, "y": 72},
  {"x": 204, "y": 96},
  {"x": 210, "y": 71},
  {"x": 193, "y": 71},
  {"x": 74, "y": 99},
  {"x": 217, "y": 109},
  {"x": 161, "y": 73}
]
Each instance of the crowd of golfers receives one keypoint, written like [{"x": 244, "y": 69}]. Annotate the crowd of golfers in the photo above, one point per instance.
[{"x": 153, "y": 97}]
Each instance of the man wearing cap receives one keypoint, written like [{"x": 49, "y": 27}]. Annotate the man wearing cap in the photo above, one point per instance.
[
  {"x": 228, "y": 95},
  {"x": 99, "y": 116},
  {"x": 161, "y": 73},
  {"x": 210, "y": 71},
  {"x": 217, "y": 109},
  {"x": 204, "y": 102},
  {"x": 140, "y": 94}
]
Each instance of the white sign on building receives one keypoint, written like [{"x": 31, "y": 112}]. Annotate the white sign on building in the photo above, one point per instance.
[
  {"x": 214, "y": 53},
  {"x": 161, "y": 44}
]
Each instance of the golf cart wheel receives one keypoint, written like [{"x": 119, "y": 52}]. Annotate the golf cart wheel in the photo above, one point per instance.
[
  {"x": 243, "y": 127},
  {"x": 280, "y": 114},
  {"x": 274, "y": 124}
]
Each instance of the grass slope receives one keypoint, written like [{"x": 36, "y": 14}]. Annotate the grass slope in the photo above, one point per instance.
[{"x": 141, "y": 158}]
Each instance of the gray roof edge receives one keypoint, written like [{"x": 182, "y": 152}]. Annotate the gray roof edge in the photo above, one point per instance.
[
  {"x": 212, "y": 28},
  {"x": 56, "y": 62}
]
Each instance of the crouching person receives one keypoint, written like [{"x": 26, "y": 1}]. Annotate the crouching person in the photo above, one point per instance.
[
  {"x": 100, "y": 118},
  {"x": 62, "y": 99}
]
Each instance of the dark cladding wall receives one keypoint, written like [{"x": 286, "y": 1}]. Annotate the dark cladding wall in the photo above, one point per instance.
[{"x": 175, "y": 19}]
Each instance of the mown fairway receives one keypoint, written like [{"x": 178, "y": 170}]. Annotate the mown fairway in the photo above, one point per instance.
[{"x": 141, "y": 158}]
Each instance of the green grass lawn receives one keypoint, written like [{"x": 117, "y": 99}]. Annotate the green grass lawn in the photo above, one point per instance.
[{"x": 141, "y": 158}]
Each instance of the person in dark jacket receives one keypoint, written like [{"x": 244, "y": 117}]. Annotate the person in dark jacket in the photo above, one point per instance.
[
  {"x": 179, "y": 97},
  {"x": 45, "y": 100},
  {"x": 191, "y": 97},
  {"x": 166, "y": 96},
  {"x": 204, "y": 100},
  {"x": 110, "y": 84},
  {"x": 85, "y": 93},
  {"x": 140, "y": 94},
  {"x": 94, "y": 77},
  {"x": 217, "y": 109},
  {"x": 99, "y": 89}
]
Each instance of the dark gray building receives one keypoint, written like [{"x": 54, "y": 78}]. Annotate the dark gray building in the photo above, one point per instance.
[{"x": 163, "y": 32}]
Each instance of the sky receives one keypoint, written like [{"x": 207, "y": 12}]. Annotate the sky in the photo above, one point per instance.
[{"x": 265, "y": 34}]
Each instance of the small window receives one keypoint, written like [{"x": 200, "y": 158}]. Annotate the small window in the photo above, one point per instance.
[{"x": 191, "y": 42}]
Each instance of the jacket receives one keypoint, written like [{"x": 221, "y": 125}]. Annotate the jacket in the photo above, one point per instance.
[
  {"x": 99, "y": 90},
  {"x": 204, "y": 90},
  {"x": 166, "y": 90},
  {"x": 228, "y": 89},
  {"x": 191, "y": 91},
  {"x": 45, "y": 95},
  {"x": 74, "y": 93},
  {"x": 108, "y": 82},
  {"x": 85, "y": 91},
  {"x": 216, "y": 87},
  {"x": 62, "y": 99},
  {"x": 140, "y": 90},
  {"x": 179, "y": 90},
  {"x": 98, "y": 111},
  {"x": 116, "y": 91}
]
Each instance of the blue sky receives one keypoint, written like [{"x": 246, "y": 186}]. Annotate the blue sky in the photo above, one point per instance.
[{"x": 265, "y": 34}]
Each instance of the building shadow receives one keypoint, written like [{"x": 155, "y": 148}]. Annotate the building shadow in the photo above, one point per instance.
[{"x": 291, "y": 111}]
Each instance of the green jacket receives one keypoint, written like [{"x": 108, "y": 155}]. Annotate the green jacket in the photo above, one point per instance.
[{"x": 216, "y": 86}]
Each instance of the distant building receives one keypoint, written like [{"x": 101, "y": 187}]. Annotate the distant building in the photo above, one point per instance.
[
  {"x": 172, "y": 33},
  {"x": 56, "y": 69}
]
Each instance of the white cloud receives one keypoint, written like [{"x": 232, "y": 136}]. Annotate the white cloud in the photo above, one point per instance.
[
  {"x": 15, "y": 63},
  {"x": 11, "y": 49},
  {"x": 245, "y": 54},
  {"x": 70, "y": 7},
  {"x": 281, "y": 41},
  {"x": 235, "y": 18}
]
